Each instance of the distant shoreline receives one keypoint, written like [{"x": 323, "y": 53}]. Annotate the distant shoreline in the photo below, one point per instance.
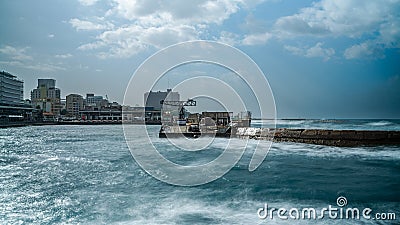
[{"x": 24, "y": 124}]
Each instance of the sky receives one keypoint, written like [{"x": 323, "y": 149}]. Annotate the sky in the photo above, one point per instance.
[{"x": 322, "y": 58}]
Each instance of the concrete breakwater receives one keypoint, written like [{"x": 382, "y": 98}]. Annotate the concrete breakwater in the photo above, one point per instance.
[{"x": 340, "y": 138}]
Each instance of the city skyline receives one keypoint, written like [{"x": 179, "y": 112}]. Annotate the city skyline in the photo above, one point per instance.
[{"x": 323, "y": 59}]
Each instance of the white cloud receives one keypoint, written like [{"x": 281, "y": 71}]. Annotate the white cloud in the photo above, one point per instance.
[
  {"x": 256, "y": 39},
  {"x": 92, "y": 46},
  {"x": 51, "y": 36},
  {"x": 184, "y": 12},
  {"x": 338, "y": 17},
  {"x": 157, "y": 24},
  {"x": 228, "y": 38},
  {"x": 128, "y": 41},
  {"x": 390, "y": 34},
  {"x": 88, "y": 2},
  {"x": 295, "y": 50},
  {"x": 169, "y": 34},
  {"x": 316, "y": 51},
  {"x": 378, "y": 21},
  {"x": 16, "y": 53},
  {"x": 44, "y": 67},
  {"x": 364, "y": 50},
  {"x": 88, "y": 25},
  {"x": 19, "y": 57},
  {"x": 63, "y": 56},
  {"x": 144, "y": 24}
]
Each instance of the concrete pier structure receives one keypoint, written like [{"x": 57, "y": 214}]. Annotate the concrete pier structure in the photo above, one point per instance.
[{"x": 340, "y": 138}]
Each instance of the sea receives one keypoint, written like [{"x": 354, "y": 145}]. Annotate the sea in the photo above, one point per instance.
[{"x": 71, "y": 174}]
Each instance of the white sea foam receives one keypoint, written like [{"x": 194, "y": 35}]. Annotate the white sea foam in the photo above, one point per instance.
[
  {"x": 280, "y": 122},
  {"x": 377, "y": 152},
  {"x": 380, "y": 123},
  {"x": 183, "y": 210}
]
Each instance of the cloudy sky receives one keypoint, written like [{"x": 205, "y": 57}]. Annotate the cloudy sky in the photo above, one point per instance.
[{"x": 322, "y": 58}]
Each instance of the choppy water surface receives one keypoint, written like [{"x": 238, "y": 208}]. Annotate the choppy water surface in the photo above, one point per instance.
[
  {"x": 334, "y": 124},
  {"x": 86, "y": 175}
]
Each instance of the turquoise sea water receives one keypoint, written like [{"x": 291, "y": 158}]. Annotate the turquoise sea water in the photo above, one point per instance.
[
  {"x": 344, "y": 124},
  {"x": 86, "y": 175}
]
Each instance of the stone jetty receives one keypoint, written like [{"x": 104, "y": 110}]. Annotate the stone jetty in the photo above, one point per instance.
[{"x": 341, "y": 138}]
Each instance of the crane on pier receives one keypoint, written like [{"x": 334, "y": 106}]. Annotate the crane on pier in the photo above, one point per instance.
[{"x": 181, "y": 106}]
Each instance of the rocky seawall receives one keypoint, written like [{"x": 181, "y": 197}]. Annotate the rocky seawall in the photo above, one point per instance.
[{"x": 341, "y": 138}]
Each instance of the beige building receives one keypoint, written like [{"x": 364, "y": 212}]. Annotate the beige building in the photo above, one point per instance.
[
  {"x": 74, "y": 103},
  {"x": 47, "y": 97}
]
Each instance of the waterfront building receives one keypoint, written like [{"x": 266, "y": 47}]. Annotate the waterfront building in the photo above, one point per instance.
[
  {"x": 11, "y": 90},
  {"x": 74, "y": 103},
  {"x": 13, "y": 108},
  {"x": 111, "y": 112},
  {"x": 96, "y": 109},
  {"x": 102, "y": 115},
  {"x": 63, "y": 103},
  {"x": 47, "y": 97},
  {"x": 153, "y": 104},
  {"x": 133, "y": 114},
  {"x": 95, "y": 101},
  {"x": 216, "y": 118},
  {"x": 153, "y": 99},
  {"x": 141, "y": 115}
]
